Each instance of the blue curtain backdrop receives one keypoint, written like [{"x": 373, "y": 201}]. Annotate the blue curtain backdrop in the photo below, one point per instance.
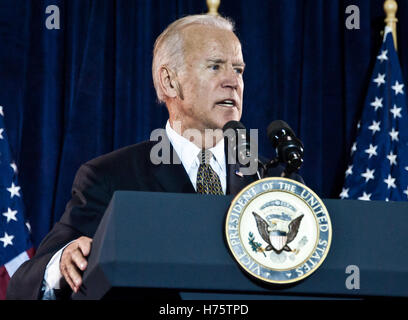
[{"x": 72, "y": 94}]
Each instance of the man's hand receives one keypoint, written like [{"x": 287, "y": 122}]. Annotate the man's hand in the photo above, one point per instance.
[{"x": 73, "y": 261}]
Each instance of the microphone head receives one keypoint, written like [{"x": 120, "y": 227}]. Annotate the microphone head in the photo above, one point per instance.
[
  {"x": 239, "y": 142},
  {"x": 234, "y": 125},
  {"x": 288, "y": 148},
  {"x": 278, "y": 127}
]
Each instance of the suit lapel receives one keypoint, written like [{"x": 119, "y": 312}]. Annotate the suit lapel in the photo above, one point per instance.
[
  {"x": 173, "y": 177},
  {"x": 235, "y": 181}
]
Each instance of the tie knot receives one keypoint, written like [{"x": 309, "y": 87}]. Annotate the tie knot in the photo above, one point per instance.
[{"x": 205, "y": 156}]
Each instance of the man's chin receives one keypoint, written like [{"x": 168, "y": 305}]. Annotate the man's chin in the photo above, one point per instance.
[{"x": 218, "y": 120}]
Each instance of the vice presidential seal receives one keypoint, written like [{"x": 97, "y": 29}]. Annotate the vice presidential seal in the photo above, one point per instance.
[{"x": 278, "y": 230}]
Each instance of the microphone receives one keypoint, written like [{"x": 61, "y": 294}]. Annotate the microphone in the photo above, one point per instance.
[
  {"x": 242, "y": 148},
  {"x": 241, "y": 142},
  {"x": 289, "y": 148}
]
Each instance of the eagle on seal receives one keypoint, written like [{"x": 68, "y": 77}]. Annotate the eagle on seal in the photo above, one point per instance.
[{"x": 276, "y": 239}]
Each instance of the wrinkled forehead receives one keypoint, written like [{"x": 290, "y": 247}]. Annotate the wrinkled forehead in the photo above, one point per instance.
[{"x": 200, "y": 41}]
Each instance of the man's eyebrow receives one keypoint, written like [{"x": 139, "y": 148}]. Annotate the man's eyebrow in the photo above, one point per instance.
[
  {"x": 240, "y": 64},
  {"x": 216, "y": 60}
]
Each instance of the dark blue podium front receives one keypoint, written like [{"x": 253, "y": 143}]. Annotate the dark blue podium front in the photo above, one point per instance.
[{"x": 159, "y": 242}]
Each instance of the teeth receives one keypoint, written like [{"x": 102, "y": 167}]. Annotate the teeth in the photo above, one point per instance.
[{"x": 227, "y": 102}]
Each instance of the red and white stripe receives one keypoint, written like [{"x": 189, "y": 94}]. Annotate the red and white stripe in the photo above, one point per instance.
[{"x": 7, "y": 271}]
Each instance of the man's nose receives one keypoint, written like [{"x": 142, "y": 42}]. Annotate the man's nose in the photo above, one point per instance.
[{"x": 230, "y": 79}]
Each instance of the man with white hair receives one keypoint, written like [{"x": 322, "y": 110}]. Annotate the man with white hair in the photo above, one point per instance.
[{"x": 198, "y": 73}]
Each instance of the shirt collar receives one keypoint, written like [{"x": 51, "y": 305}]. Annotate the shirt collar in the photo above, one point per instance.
[
  {"x": 219, "y": 154},
  {"x": 188, "y": 151}
]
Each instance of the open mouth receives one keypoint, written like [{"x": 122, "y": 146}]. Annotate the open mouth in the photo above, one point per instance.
[{"x": 228, "y": 103}]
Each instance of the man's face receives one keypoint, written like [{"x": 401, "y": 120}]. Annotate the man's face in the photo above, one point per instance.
[{"x": 211, "y": 78}]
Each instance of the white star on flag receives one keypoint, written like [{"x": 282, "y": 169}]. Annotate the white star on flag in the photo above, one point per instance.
[
  {"x": 1, "y": 111},
  {"x": 354, "y": 148},
  {"x": 375, "y": 126},
  {"x": 10, "y": 215},
  {"x": 406, "y": 192},
  {"x": 369, "y": 174},
  {"x": 377, "y": 103},
  {"x": 383, "y": 56},
  {"x": 398, "y": 88},
  {"x": 14, "y": 190},
  {"x": 396, "y": 112},
  {"x": 365, "y": 197},
  {"x": 14, "y": 166},
  {"x": 1, "y": 133},
  {"x": 394, "y": 135},
  {"x": 393, "y": 158},
  {"x": 380, "y": 79},
  {"x": 344, "y": 193},
  {"x": 390, "y": 181},
  {"x": 372, "y": 151},
  {"x": 349, "y": 170},
  {"x": 7, "y": 240}
]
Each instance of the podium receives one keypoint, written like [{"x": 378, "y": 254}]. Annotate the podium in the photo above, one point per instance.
[{"x": 166, "y": 245}]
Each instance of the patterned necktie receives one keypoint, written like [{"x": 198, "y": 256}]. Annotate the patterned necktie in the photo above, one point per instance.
[{"x": 208, "y": 181}]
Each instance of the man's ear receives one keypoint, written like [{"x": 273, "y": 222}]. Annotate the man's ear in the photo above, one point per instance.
[{"x": 169, "y": 83}]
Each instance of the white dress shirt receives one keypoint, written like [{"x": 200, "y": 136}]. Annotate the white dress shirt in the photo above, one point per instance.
[{"x": 188, "y": 153}]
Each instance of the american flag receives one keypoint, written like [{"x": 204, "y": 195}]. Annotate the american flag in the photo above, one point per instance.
[
  {"x": 379, "y": 157},
  {"x": 15, "y": 243}
]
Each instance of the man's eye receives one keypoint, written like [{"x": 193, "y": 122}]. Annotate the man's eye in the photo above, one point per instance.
[
  {"x": 239, "y": 70},
  {"x": 215, "y": 67}
]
